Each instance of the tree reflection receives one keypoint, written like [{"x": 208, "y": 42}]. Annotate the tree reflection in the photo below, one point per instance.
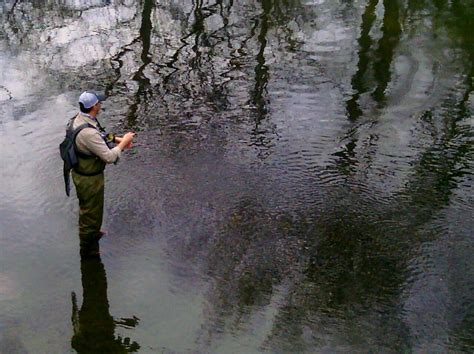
[
  {"x": 391, "y": 32},
  {"x": 342, "y": 264},
  {"x": 261, "y": 69},
  {"x": 336, "y": 265},
  {"x": 347, "y": 158},
  {"x": 442, "y": 164},
  {"x": 365, "y": 43},
  {"x": 143, "y": 82},
  {"x": 349, "y": 268},
  {"x": 94, "y": 327},
  {"x": 384, "y": 55},
  {"x": 275, "y": 14}
]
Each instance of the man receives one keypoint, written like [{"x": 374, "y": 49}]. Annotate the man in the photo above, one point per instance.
[{"x": 93, "y": 154}]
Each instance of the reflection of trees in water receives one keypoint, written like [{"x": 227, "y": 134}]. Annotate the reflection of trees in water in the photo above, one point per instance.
[
  {"x": 440, "y": 167},
  {"x": 391, "y": 33},
  {"x": 342, "y": 266},
  {"x": 453, "y": 17},
  {"x": 194, "y": 62},
  {"x": 336, "y": 264},
  {"x": 259, "y": 92},
  {"x": 350, "y": 267},
  {"x": 199, "y": 72},
  {"x": 72, "y": 41},
  {"x": 183, "y": 76},
  {"x": 383, "y": 57},
  {"x": 94, "y": 327},
  {"x": 143, "y": 82},
  {"x": 194, "y": 82},
  {"x": 380, "y": 61},
  {"x": 274, "y": 14},
  {"x": 443, "y": 166},
  {"x": 29, "y": 18},
  {"x": 351, "y": 277},
  {"x": 365, "y": 43}
]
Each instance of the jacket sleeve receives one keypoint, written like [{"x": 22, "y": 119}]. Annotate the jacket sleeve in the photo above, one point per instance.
[{"x": 93, "y": 142}]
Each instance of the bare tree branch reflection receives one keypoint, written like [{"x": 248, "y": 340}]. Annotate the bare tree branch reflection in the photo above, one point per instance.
[
  {"x": 146, "y": 29},
  {"x": 365, "y": 43},
  {"x": 391, "y": 32}
]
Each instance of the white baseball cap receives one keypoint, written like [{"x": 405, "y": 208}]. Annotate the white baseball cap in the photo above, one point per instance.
[{"x": 89, "y": 99}]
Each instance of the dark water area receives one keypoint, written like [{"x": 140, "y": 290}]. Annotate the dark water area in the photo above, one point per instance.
[{"x": 302, "y": 178}]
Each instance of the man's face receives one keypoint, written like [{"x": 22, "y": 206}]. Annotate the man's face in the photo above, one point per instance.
[{"x": 97, "y": 107}]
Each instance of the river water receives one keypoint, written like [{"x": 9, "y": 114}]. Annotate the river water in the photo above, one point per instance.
[{"x": 302, "y": 178}]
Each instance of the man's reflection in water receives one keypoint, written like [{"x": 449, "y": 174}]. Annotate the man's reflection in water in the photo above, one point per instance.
[{"x": 94, "y": 327}]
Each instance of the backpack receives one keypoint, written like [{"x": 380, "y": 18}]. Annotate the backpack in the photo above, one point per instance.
[{"x": 68, "y": 152}]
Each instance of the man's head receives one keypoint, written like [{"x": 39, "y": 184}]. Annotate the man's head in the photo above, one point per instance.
[{"x": 89, "y": 102}]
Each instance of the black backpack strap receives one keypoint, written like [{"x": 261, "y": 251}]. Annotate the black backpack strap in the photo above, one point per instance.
[
  {"x": 74, "y": 133},
  {"x": 79, "y": 128}
]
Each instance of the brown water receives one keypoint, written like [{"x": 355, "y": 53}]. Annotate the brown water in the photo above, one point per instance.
[{"x": 301, "y": 180}]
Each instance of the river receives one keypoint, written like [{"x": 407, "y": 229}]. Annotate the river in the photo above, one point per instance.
[{"x": 301, "y": 181}]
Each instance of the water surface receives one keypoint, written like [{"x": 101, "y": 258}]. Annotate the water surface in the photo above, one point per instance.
[{"x": 301, "y": 179}]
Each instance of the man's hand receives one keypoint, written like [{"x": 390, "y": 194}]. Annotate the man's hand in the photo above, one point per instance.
[{"x": 125, "y": 142}]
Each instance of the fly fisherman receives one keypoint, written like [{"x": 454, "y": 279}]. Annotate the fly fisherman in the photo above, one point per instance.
[{"x": 94, "y": 150}]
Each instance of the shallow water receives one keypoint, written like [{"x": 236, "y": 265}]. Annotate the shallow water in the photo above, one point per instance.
[{"x": 301, "y": 179}]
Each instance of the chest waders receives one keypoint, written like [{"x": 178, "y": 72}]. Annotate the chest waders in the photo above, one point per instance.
[{"x": 88, "y": 177}]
